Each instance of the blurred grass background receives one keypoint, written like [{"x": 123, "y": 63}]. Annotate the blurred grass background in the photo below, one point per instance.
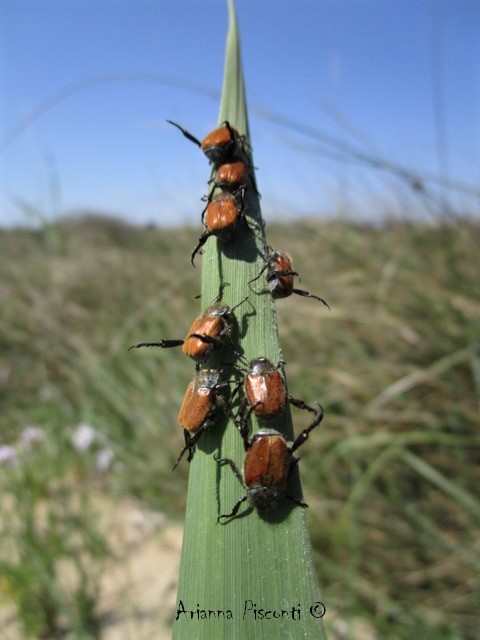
[{"x": 392, "y": 476}]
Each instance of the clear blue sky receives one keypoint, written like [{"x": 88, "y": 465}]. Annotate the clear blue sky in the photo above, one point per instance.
[{"x": 396, "y": 79}]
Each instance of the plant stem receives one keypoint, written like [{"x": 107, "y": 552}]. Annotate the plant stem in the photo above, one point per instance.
[{"x": 260, "y": 560}]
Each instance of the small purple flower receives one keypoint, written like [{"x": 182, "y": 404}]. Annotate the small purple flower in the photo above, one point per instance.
[
  {"x": 83, "y": 437},
  {"x": 30, "y": 435},
  {"x": 103, "y": 459},
  {"x": 8, "y": 455}
]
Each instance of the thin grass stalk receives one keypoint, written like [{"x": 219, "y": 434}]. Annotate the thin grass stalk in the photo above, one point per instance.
[{"x": 259, "y": 561}]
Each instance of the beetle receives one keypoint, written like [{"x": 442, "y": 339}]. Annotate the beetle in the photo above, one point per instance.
[
  {"x": 231, "y": 176},
  {"x": 280, "y": 276},
  {"x": 266, "y": 392},
  {"x": 199, "y": 408},
  {"x": 266, "y": 469},
  {"x": 219, "y": 145},
  {"x": 209, "y": 331},
  {"x": 220, "y": 217}
]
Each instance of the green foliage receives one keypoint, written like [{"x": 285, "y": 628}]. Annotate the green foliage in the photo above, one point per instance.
[
  {"x": 391, "y": 477},
  {"x": 51, "y": 549}
]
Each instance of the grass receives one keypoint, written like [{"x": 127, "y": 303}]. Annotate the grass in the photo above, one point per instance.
[{"x": 392, "y": 477}]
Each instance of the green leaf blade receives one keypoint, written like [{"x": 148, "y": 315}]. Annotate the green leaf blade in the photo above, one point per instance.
[{"x": 257, "y": 561}]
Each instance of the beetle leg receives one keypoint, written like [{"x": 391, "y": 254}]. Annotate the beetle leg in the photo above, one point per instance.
[
  {"x": 228, "y": 333},
  {"x": 242, "y": 140},
  {"x": 208, "y": 198},
  {"x": 165, "y": 344},
  {"x": 231, "y": 131},
  {"x": 241, "y": 421},
  {"x": 186, "y": 133},
  {"x": 232, "y": 346},
  {"x": 297, "y": 502},
  {"x": 305, "y": 433},
  {"x": 203, "y": 214},
  {"x": 190, "y": 442},
  {"x": 275, "y": 274},
  {"x": 307, "y": 294},
  {"x": 234, "y": 511},
  {"x": 261, "y": 272},
  {"x": 222, "y": 402},
  {"x": 201, "y": 241},
  {"x": 253, "y": 182},
  {"x": 240, "y": 194},
  {"x": 235, "y": 391},
  {"x": 190, "y": 445},
  {"x": 300, "y": 404},
  {"x": 232, "y": 397},
  {"x": 293, "y": 462},
  {"x": 251, "y": 226},
  {"x": 208, "y": 339},
  {"x": 238, "y": 475},
  {"x": 232, "y": 466},
  {"x": 220, "y": 292},
  {"x": 232, "y": 309}
]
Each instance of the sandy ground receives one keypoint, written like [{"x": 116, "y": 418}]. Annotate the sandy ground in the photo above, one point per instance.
[
  {"x": 139, "y": 592},
  {"x": 139, "y": 587}
]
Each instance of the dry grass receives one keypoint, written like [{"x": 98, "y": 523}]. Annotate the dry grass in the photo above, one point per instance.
[{"x": 392, "y": 477}]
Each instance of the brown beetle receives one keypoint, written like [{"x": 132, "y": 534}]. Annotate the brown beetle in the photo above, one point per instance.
[
  {"x": 209, "y": 332},
  {"x": 266, "y": 392},
  {"x": 199, "y": 408},
  {"x": 220, "y": 217},
  {"x": 266, "y": 468},
  {"x": 220, "y": 145},
  {"x": 231, "y": 176},
  {"x": 280, "y": 276}
]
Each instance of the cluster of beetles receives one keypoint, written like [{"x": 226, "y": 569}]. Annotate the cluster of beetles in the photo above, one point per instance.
[{"x": 268, "y": 458}]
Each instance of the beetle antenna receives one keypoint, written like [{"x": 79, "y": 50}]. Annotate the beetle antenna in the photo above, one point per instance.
[
  {"x": 165, "y": 344},
  {"x": 307, "y": 294},
  {"x": 186, "y": 133}
]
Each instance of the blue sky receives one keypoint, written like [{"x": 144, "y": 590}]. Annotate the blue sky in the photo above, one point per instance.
[{"x": 86, "y": 87}]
